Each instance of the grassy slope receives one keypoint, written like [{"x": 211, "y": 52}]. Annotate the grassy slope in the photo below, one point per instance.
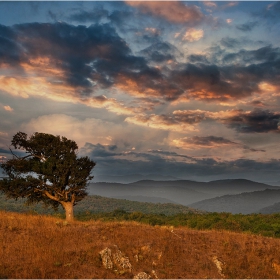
[
  {"x": 44, "y": 247},
  {"x": 107, "y": 209}
]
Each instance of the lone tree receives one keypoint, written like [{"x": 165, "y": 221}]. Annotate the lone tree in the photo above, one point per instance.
[{"x": 50, "y": 171}]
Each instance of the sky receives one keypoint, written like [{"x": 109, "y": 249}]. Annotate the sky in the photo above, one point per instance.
[{"x": 184, "y": 89}]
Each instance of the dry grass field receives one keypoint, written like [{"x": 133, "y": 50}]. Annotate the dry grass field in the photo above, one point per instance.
[{"x": 47, "y": 247}]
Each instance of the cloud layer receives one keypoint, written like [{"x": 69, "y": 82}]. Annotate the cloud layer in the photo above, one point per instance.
[{"x": 185, "y": 88}]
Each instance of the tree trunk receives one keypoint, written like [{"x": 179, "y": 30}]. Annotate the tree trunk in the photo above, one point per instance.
[{"x": 69, "y": 211}]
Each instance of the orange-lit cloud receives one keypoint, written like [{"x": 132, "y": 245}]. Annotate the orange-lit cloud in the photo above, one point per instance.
[
  {"x": 160, "y": 122},
  {"x": 203, "y": 142},
  {"x": 135, "y": 88},
  {"x": 179, "y": 121},
  {"x": 3, "y": 133},
  {"x": 210, "y": 4},
  {"x": 269, "y": 88},
  {"x": 193, "y": 34},
  {"x": 152, "y": 30},
  {"x": 91, "y": 130},
  {"x": 230, "y": 4},
  {"x": 173, "y": 11},
  {"x": 49, "y": 83},
  {"x": 8, "y": 108},
  {"x": 260, "y": 121}
]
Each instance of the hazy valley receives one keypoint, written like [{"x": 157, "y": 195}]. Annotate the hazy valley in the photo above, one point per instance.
[{"x": 234, "y": 196}]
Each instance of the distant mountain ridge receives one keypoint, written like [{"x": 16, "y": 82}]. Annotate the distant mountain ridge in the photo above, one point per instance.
[
  {"x": 183, "y": 192},
  {"x": 244, "y": 203},
  {"x": 132, "y": 178}
]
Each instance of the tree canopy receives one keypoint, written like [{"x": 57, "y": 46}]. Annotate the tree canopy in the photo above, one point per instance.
[{"x": 46, "y": 168}]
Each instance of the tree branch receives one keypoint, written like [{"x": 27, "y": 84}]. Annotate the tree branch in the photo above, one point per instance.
[
  {"x": 73, "y": 198},
  {"x": 31, "y": 155},
  {"x": 51, "y": 196}
]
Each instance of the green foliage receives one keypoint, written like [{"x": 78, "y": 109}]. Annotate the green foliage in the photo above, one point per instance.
[
  {"x": 267, "y": 225},
  {"x": 47, "y": 171}
]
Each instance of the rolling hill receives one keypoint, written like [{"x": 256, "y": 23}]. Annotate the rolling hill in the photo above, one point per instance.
[
  {"x": 179, "y": 191},
  {"x": 245, "y": 203},
  {"x": 274, "y": 208},
  {"x": 98, "y": 204}
]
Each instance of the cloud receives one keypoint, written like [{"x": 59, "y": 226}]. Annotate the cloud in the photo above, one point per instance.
[
  {"x": 66, "y": 63},
  {"x": 172, "y": 11},
  {"x": 247, "y": 27},
  {"x": 172, "y": 163},
  {"x": 177, "y": 121},
  {"x": 203, "y": 142},
  {"x": 210, "y": 4},
  {"x": 10, "y": 49},
  {"x": 227, "y": 148},
  {"x": 94, "y": 131},
  {"x": 230, "y": 4},
  {"x": 98, "y": 150},
  {"x": 210, "y": 83},
  {"x": 89, "y": 16},
  {"x": 230, "y": 42},
  {"x": 198, "y": 58},
  {"x": 8, "y": 108},
  {"x": 265, "y": 54},
  {"x": 256, "y": 121},
  {"x": 160, "y": 52},
  {"x": 74, "y": 64},
  {"x": 82, "y": 131},
  {"x": 193, "y": 34}
]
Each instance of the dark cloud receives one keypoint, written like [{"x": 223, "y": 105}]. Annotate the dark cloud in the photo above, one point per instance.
[
  {"x": 120, "y": 17},
  {"x": 167, "y": 153},
  {"x": 209, "y": 141},
  {"x": 160, "y": 52},
  {"x": 258, "y": 103},
  {"x": 230, "y": 42},
  {"x": 264, "y": 54},
  {"x": 10, "y": 49},
  {"x": 247, "y": 27},
  {"x": 210, "y": 82},
  {"x": 198, "y": 58},
  {"x": 260, "y": 121},
  {"x": 5, "y": 151},
  {"x": 162, "y": 162},
  {"x": 97, "y": 57},
  {"x": 52, "y": 15},
  {"x": 94, "y": 53},
  {"x": 89, "y": 16},
  {"x": 100, "y": 151}
]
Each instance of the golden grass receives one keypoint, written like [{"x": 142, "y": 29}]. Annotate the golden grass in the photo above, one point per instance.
[{"x": 45, "y": 247}]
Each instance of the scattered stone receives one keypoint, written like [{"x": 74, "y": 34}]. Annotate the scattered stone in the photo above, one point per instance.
[
  {"x": 219, "y": 265},
  {"x": 121, "y": 261},
  {"x": 106, "y": 256},
  {"x": 142, "y": 275},
  {"x": 114, "y": 258},
  {"x": 155, "y": 275}
]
